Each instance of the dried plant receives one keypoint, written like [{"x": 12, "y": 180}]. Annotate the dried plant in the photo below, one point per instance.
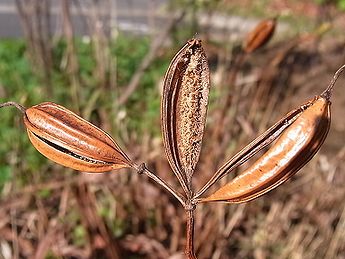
[
  {"x": 260, "y": 35},
  {"x": 67, "y": 139}
]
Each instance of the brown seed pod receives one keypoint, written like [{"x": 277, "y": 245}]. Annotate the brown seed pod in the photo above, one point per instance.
[
  {"x": 254, "y": 147},
  {"x": 301, "y": 134},
  {"x": 183, "y": 109},
  {"x": 293, "y": 149},
  {"x": 69, "y": 140},
  {"x": 260, "y": 35}
]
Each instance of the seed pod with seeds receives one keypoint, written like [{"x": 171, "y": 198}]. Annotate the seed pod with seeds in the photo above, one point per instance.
[{"x": 183, "y": 109}]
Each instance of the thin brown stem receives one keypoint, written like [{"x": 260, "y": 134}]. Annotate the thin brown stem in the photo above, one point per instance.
[
  {"x": 189, "y": 207},
  {"x": 189, "y": 251},
  {"x": 141, "y": 169},
  {"x": 328, "y": 92},
  {"x": 17, "y": 105}
]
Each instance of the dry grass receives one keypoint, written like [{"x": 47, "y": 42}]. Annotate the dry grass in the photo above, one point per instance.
[{"x": 124, "y": 215}]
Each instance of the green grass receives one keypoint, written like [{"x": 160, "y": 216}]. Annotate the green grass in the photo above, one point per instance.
[{"x": 19, "y": 83}]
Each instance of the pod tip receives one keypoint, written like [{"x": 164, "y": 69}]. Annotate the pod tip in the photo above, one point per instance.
[{"x": 327, "y": 94}]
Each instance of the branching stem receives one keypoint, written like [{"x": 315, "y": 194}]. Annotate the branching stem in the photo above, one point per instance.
[
  {"x": 142, "y": 169},
  {"x": 188, "y": 205}
]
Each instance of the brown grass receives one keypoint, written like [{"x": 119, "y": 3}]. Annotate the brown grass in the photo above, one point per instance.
[{"x": 119, "y": 215}]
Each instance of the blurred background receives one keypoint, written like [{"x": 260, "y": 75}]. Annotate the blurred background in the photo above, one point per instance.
[{"x": 105, "y": 60}]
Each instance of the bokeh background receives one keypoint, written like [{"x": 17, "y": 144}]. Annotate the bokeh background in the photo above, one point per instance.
[{"x": 105, "y": 60}]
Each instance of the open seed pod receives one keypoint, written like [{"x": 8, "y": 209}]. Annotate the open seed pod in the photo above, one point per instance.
[{"x": 184, "y": 108}]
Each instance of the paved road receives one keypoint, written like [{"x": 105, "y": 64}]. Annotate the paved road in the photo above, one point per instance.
[{"x": 133, "y": 16}]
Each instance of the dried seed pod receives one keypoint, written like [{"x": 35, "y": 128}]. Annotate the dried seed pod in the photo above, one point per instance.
[
  {"x": 300, "y": 137},
  {"x": 69, "y": 140},
  {"x": 293, "y": 149},
  {"x": 183, "y": 109},
  {"x": 254, "y": 147},
  {"x": 260, "y": 35}
]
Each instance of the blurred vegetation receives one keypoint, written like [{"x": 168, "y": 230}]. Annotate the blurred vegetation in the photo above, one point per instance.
[
  {"x": 338, "y": 3},
  {"x": 19, "y": 81}
]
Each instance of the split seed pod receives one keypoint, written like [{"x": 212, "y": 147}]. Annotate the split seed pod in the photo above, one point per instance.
[
  {"x": 71, "y": 141},
  {"x": 184, "y": 108},
  {"x": 260, "y": 35},
  {"x": 299, "y": 135}
]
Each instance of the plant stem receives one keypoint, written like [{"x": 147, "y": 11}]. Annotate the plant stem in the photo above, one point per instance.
[
  {"x": 188, "y": 205},
  {"x": 141, "y": 169},
  {"x": 328, "y": 92},
  {"x": 189, "y": 251},
  {"x": 17, "y": 105}
]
